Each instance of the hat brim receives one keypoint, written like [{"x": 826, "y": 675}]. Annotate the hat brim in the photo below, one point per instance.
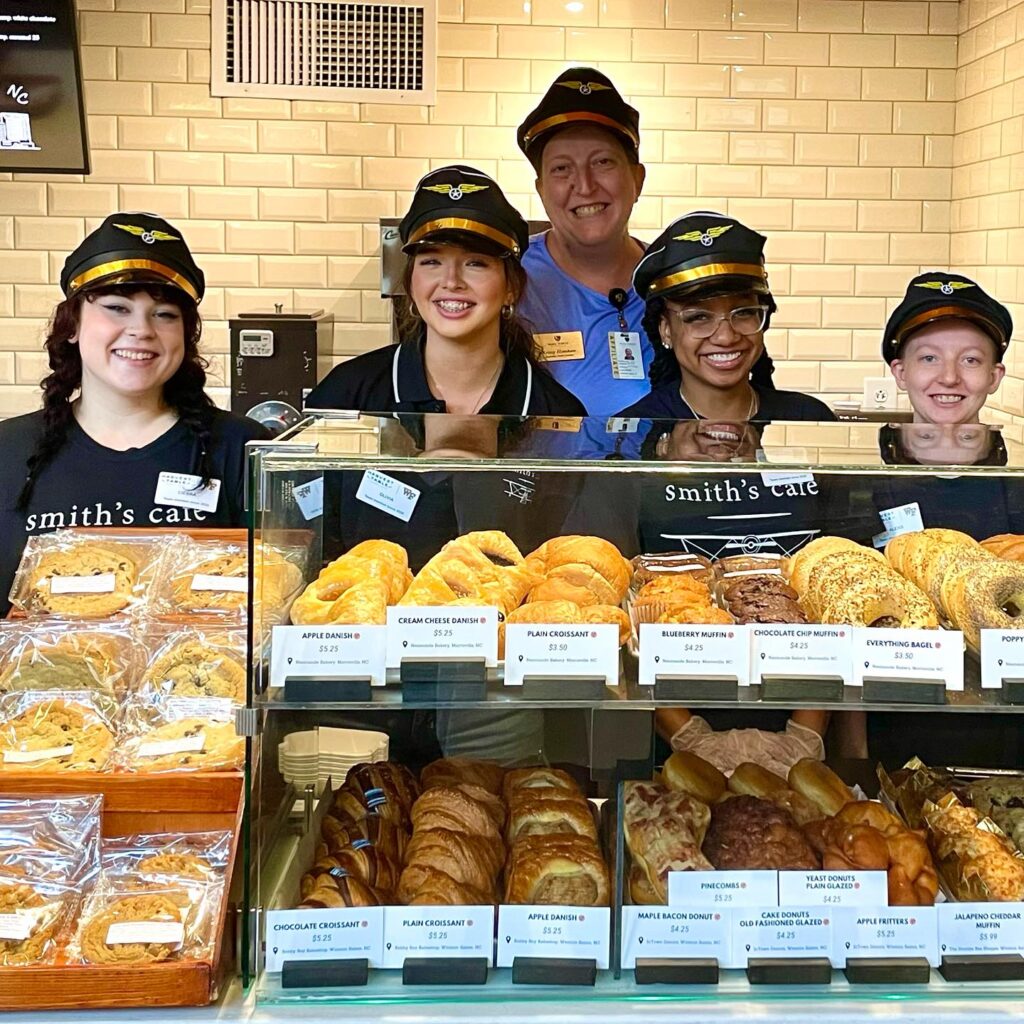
[
  {"x": 950, "y": 312},
  {"x": 543, "y": 130},
  {"x": 141, "y": 271},
  {"x": 469, "y": 234}
]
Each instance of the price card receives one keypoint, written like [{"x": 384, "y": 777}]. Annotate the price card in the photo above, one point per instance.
[
  {"x": 385, "y": 493},
  {"x": 699, "y": 651},
  {"x": 564, "y": 933},
  {"x": 328, "y": 652},
  {"x": 102, "y": 583},
  {"x": 781, "y": 932},
  {"x": 426, "y": 632},
  {"x": 584, "y": 649},
  {"x": 791, "y": 650},
  {"x": 833, "y": 888},
  {"x": 885, "y": 932},
  {"x": 969, "y": 928},
  {"x": 909, "y": 654},
  {"x": 789, "y": 484},
  {"x": 437, "y": 932},
  {"x": 349, "y": 933},
  {"x": 674, "y": 934},
  {"x": 723, "y": 889},
  {"x": 1002, "y": 656}
]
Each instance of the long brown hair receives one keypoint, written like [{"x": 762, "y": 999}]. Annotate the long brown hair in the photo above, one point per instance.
[
  {"x": 184, "y": 392},
  {"x": 514, "y": 335}
]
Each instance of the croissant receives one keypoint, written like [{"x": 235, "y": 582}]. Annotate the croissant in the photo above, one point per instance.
[
  {"x": 608, "y": 613},
  {"x": 341, "y": 892},
  {"x": 365, "y": 863},
  {"x": 385, "y": 835},
  {"x": 351, "y": 806},
  {"x": 587, "y": 570},
  {"x": 1006, "y": 545},
  {"x": 449, "y": 808},
  {"x": 568, "y": 871},
  {"x": 452, "y": 770},
  {"x": 428, "y": 886},
  {"x": 468, "y": 859},
  {"x": 395, "y": 780}
]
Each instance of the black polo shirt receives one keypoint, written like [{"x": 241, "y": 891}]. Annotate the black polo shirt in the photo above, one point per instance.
[
  {"x": 665, "y": 403},
  {"x": 394, "y": 379}
]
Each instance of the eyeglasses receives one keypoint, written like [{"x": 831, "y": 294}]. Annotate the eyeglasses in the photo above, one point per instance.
[{"x": 699, "y": 323}]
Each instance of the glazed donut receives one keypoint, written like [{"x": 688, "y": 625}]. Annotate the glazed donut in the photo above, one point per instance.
[
  {"x": 882, "y": 601},
  {"x": 801, "y": 565},
  {"x": 834, "y": 572},
  {"x": 988, "y": 596}
]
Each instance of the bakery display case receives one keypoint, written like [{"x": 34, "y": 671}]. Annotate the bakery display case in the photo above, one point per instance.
[{"x": 619, "y": 709}]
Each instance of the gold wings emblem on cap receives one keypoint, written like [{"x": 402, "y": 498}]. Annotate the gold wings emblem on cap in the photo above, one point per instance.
[
  {"x": 584, "y": 88},
  {"x": 149, "y": 237},
  {"x": 456, "y": 192},
  {"x": 704, "y": 237},
  {"x": 946, "y": 287}
]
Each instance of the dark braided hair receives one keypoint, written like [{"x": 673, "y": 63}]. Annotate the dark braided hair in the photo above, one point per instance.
[{"x": 184, "y": 392}]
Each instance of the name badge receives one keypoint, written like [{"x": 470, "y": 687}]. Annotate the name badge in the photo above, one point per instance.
[
  {"x": 310, "y": 498},
  {"x": 186, "y": 491},
  {"x": 901, "y": 519},
  {"x": 626, "y": 354},
  {"x": 385, "y": 493},
  {"x": 555, "y": 348}
]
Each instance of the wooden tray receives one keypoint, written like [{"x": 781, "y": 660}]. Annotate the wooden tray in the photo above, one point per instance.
[{"x": 185, "y": 802}]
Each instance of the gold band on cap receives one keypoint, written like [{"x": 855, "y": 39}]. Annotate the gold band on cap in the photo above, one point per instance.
[
  {"x": 474, "y": 227},
  {"x": 942, "y": 312},
  {"x": 122, "y": 266},
  {"x": 754, "y": 270},
  {"x": 550, "y": 122}
]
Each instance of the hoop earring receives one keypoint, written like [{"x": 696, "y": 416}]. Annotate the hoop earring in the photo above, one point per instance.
[
  {"x": 414, "y": 311},
  {"x": 509, "y": 311}
]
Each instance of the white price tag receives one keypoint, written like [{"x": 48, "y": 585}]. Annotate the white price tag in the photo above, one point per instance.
[
  {"x": 790, "y": 650},
  {"x": 328, "y": 652},
  {"x": 583, "y": 649},
  {"x": 909, "y": 654},
  {"x": 885, "y": 932},
  {"x": 781, "y": 932},
  {"x": 310, "y": 498},
  {"x": 833, "y": 888},
  {"x": 187, "y": 491},
  {"x": 16, "y": 926},
  {"x": 167, "y": 933},
  {"x": 786, "y": 484},
  {"x": 564, "y": 933},
  {"x": 627, "y": 355},
  {"x": 103, "y": 583},
  {"x": 350, "y": 933},
  {"x": 442, "y": 632},
  {"x": 437, "y": 932},
  {"x": 723, "y": 889},
  {"x": 235, "y": 584},
  {"x": 185, "y": 745},
  {"x": 387, "y": 494},
  {"x": 673, "y": 933},
  {"x": 901, "y": 519},
  {"x": 700, "y": 651},
  {"x": 43, "y": 754},
  {"x": 1002, "y": 656},
  {"x": 217, "y": 709},
  {"x": 969, "y": 928}
]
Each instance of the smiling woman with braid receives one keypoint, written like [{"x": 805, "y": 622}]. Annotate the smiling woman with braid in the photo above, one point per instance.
[{"x": 125, "y": 412}]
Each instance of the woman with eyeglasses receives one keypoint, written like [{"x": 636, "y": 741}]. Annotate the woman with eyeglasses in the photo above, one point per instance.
[{"x": 708, "y": 307}]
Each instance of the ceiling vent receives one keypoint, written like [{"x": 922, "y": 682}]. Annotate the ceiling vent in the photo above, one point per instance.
[{"x": 326, "y": 50}]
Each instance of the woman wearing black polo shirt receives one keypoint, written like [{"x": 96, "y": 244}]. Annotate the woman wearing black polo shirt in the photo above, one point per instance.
[
  {"x": 463, "y": 350},
  {"x": 125, "y": 415}
]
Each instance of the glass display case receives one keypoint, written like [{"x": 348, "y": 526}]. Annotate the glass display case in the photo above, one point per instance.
[{"x": 622, "y": 709}]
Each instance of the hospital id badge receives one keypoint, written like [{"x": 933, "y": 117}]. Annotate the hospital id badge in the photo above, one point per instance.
[{"x": 626, "y": 354}]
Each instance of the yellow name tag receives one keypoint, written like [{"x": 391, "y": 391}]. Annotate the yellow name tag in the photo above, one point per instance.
[
  {"x": 569, "y": 424},
  {"x": 564, "y": 345}
]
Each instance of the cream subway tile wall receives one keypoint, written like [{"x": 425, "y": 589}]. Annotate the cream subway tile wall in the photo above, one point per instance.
[{"x": 868, "y": 138}]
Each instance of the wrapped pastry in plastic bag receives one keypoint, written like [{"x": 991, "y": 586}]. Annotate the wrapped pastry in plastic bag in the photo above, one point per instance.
[
  {"x": 193, "y": 662},
  {"x": 129, "y": 920},
  {"x": 56, "y": 731},
  {"x": 171, "y": 734},
  {"x": 776, "y": 751},
  {"x": 977, "y": 861},
  {"x": 208, "y": 578},
  {"x": 33, "y": 914},
  {"x": 186, "y": 854},
  {"x": 50, "y": 838},
  {"x": 66, "y": 656},
  {"x": 76, "y": 575}
]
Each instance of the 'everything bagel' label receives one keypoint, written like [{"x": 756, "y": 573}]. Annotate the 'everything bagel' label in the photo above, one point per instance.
[{"x": 922, "y": 655}]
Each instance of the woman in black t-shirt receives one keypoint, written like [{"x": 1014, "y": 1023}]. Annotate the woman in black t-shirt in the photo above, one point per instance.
[{"x": 125, "y": 415}]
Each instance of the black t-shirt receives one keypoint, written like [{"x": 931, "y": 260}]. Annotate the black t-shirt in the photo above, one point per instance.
[
  {"x": 665, "y": 403},
  {"x": 87, "y": 484},
  {"x": 393, "y": 379}
]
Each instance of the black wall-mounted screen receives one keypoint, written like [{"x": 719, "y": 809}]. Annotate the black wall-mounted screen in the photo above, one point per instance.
[{"x": 42, "y": 119}]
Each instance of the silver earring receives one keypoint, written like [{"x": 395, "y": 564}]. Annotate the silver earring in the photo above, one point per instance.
[{"x": 509, "y": 311}]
